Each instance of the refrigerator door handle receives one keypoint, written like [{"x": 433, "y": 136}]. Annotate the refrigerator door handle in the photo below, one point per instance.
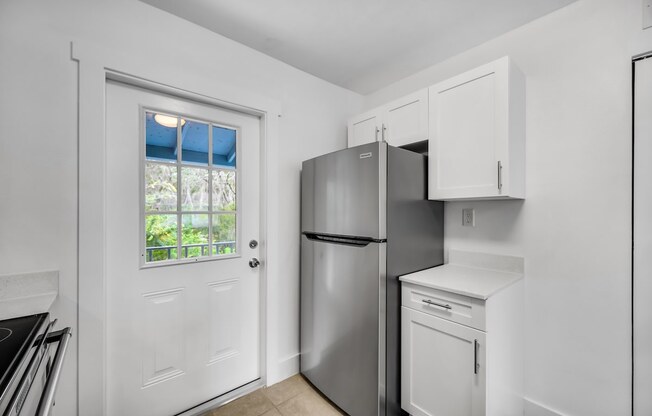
[{"x": 343, "y": 239}]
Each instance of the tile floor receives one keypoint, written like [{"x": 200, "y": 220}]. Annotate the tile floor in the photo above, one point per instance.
[{"x": 291, "y": 397}]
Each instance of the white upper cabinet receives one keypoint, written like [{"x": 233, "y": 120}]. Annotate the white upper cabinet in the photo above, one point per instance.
[
  {"x": 405, "y": 120},
  {"x": 400, "y": 122},
  {"x": 477, "y": 134},
  {"x": 364, "y": 128}
]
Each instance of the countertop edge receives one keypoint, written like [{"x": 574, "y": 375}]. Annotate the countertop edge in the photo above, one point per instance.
[{"x": 428, "y": 278}]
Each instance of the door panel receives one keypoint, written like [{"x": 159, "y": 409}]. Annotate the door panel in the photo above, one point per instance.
[
  {"x": 465, "y": 151},
  {"x": 180, "y": 334},
  {"x": 340, "y": 290},
  {"x": 223, "y": 298},
  {"x": 469, "y": 129},
  {"x": 364, "y": 129},
  {"x": 340, "y": 192},
  {"x": 406, "y": 119},
  {"x": 163, "y": 355},
  {"x": 438, "y": 362}
]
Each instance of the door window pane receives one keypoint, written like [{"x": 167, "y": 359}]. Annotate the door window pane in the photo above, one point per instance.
[
  {"x": 194, "y": 189},
  {"x": 190, "y": 197},
  {"x": 160, "y": 187},
  {"x": 224, "y": 147},
  {"x": 194, "y": 235},
  {"x": 161, "y": 137},
  {"x": 224, "y": 190},
  {"x": 160, "y": 237},
  {"x": 194, "y": 143},
  {"x": 224, "y": 234}
]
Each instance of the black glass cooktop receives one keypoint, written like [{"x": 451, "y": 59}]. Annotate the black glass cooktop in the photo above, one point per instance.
[{"x": 17, "y": 335}]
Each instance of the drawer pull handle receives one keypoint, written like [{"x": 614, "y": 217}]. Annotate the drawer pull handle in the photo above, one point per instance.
[
  {"x": 431, "y": 303},
  {"x": 476, "y": 344}
]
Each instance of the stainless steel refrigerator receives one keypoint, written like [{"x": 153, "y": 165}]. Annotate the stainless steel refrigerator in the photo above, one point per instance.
[{"x": 365, "y": 220}]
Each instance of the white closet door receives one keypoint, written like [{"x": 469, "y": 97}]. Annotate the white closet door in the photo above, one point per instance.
[{"x": 643, "y": 239}]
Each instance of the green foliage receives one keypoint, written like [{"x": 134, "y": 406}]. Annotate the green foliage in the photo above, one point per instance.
[
  {"x": 161, "y": 194},
  {"x": 161, "y": 231}
]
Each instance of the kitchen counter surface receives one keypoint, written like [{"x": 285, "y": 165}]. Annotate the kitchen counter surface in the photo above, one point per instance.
[
  {"x": 28, "y": 293},
  {"x": 477, "y": 275}
]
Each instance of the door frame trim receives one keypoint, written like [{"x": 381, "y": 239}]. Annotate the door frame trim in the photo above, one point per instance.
[{"x": 95, "y": 66}]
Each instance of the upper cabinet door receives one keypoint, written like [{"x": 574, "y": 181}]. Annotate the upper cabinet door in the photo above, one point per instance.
[
  {"x": 477, "y": 134},
  {"x": 400, "y": 122},
  {"x": 405, "y": 120},
  {"x": 364, "y": 128}
]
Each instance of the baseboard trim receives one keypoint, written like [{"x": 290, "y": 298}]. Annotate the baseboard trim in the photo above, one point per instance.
[
  {"x": 286, "y": 367},
  {"x": 532, "y": 408}
]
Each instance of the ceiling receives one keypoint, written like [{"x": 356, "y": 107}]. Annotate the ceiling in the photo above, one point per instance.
[
  {"x": 362, "y": 45},
  {"x": 161, "y": 142}
]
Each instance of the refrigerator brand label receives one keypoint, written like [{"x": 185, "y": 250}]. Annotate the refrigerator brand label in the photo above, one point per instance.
[{"x": 365, "y": 155}]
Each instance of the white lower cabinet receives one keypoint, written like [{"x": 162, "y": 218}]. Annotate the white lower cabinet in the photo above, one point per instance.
[
  {"x": 461, "y": 355},
  {"x": 443, "y": 367}
]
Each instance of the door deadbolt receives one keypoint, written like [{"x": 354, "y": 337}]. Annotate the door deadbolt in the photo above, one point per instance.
[{"x": 253, "y": 244}]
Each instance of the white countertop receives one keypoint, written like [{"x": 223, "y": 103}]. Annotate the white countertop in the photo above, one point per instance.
[
  {"x": 28, "y": 293},
  {"x": 477, "y": 275}
]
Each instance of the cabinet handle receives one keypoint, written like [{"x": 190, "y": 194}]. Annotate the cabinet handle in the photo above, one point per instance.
[
  {"x": 431, "y": 303},
  {"x": 500, "y": 175},
  {"x": 383, "y": 135},
  {"x": 475, "y": 356}
]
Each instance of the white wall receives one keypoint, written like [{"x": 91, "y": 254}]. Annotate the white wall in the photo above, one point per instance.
[
  {"x": 38, "y": 136},
  {"x": 574, "y": 227}
]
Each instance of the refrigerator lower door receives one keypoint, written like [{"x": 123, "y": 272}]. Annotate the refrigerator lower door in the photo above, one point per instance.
[{"x": 342, "y": 323}]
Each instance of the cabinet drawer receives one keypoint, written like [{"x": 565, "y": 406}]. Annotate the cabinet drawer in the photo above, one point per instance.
[{"x": 453, "y": 307}]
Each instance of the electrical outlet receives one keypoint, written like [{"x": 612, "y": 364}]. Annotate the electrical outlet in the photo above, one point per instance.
[{"x": 468, "y": 217}]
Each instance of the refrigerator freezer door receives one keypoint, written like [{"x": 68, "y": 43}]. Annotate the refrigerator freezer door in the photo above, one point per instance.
[
  {"x": 342, "y": 325},
  {"x": 343, "y": 193}
]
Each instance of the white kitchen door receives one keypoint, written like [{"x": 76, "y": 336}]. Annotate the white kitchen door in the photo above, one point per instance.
[{"x": 182, "y": 205}]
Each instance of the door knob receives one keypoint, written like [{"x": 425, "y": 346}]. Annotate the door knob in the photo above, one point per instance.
[{"x": 254, "y": 262}]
